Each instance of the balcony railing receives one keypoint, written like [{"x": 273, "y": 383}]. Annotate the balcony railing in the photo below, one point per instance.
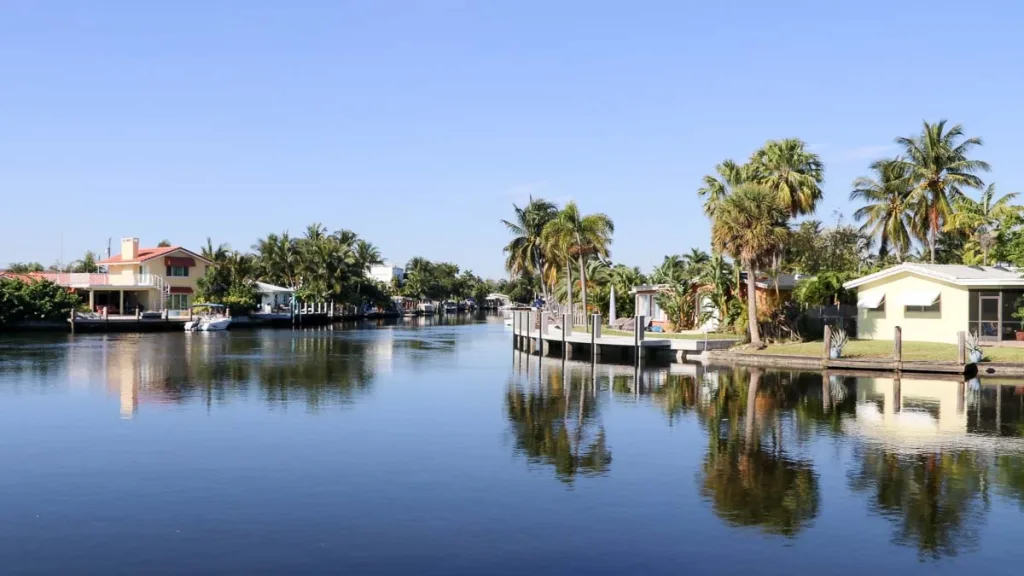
[{"x": 85, "y": 280}]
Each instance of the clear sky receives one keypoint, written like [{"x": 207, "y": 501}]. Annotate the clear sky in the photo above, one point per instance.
[{"x": 418, "y": 124}]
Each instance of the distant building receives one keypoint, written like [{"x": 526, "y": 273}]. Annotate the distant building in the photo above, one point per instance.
[{"x": 386, "y": 273}]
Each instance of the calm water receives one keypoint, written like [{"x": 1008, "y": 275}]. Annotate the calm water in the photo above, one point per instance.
[{"x": 438, "y": 450}]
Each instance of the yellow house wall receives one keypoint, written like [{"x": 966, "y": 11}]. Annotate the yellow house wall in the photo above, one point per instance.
[
  {"x": 156, "y": 267},
  {"x": 939, "y": 326}
]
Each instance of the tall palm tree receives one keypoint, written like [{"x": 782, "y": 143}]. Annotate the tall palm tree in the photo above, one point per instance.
[
  {"x": 982, "y": 219},
  {"x": 750, "y": 225},
  {"x": 218, "y": 254},
  {"x": 672, "y": 270},
  {"x": 793, "y": 173},
  {"x": 579, "y": 237},
  {"x": 87, "y": 263},
  {"x": 888, "y": 206},
  {"x": 939, "y": 169},
  {"x": 525, "y": 253},
  {"x": 716, "y": 189},
  {"x": 367, "y": 255}
]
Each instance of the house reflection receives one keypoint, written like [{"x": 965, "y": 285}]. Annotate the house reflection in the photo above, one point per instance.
[{"x": 909, "y": 412}]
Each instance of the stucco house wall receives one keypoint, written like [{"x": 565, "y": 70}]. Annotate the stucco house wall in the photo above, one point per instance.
[{"x": 941, "y": 326}]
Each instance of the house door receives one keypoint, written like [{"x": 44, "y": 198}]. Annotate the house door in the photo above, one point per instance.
[{"x": 991, "y": 320}]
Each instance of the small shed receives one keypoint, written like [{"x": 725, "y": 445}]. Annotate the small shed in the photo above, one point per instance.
[{"x": 274, "y": 298}]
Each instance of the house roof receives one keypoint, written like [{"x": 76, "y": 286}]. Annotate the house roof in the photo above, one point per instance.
[
  {"x": 952, "y": 273},
  {"x": 648, "y": 288},
  {"x": 149, "y": 254},
  {"x": 784, "y": 281},
  {"x": 24, "y": 277},
  {"x": 266, "y": 288}
]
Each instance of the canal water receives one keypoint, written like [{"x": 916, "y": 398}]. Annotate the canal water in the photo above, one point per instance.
[{"x": 439, "y": 450}]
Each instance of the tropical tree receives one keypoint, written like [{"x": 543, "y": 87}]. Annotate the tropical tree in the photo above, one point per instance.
[
  {"x": 672, "y": 270},
  {"x": 367, "y": 255},
  {"x": 716, "y": 189},
  {"x": 714, "y": 282},
  {"x": 789, "y": 170},
  {"x": 579, "y": 237},
  {"x": 25, "y": 267},
  {"x": 87, "y": 263},
  {"x": 939, "y": 166},
  {"x": 750, "y": 225},
  {"x": 982, "y": 220},
  {"x": 526, "y": 253},
  {"x": 887, "y": 211}
]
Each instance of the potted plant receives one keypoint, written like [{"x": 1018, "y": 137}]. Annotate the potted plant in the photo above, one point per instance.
[
  {"x": 974, "y": 353},
  {"x": 1019, "y": 315},
  {"x": 839, "y": 341}
]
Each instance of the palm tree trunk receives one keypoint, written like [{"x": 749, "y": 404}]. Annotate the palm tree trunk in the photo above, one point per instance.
[
  {"x": 755, "y": 333},
  {"x": 931, "y": 245},
  {"x": 568, "y": 286},
  {"x": 583, "y": 289}
]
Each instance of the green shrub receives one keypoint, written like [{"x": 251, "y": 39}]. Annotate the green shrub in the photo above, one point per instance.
[{"x": 35, "y": 300}]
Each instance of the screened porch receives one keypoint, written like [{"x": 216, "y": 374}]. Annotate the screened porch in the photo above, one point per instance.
[{"x": 991, "y": 314}]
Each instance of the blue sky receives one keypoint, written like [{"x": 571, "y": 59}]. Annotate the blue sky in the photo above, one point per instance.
[{"x": 418, "y": 124}]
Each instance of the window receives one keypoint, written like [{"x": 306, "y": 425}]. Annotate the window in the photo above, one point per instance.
[
  {"x": 933, "y": 308},
  {"x": 179, "y": 271},
  {"x": 178, "y": 302}
]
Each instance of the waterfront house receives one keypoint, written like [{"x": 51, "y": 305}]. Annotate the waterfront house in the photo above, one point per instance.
[
  {"x": 137, "y": 279},
  {"x": 274, "y": 299},
  {"x": 933, "y": 302},
  {"x": 157, "y": 279}
]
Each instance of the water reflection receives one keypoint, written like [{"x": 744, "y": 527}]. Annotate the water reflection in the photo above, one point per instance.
[
  {"x": 315, "y": 366},
  {"x": 748, "y": 476},
  {"x": 554, "y": 420},
  {"x": 455, "y": 447}
]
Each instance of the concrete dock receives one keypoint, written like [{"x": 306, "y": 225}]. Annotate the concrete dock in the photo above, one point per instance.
[{"x": 536, "y": 331}]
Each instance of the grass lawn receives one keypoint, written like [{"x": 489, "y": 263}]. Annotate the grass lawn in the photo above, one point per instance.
[
  {"x": 883, "y": 349},
  {"x": 656, "y": 335}
]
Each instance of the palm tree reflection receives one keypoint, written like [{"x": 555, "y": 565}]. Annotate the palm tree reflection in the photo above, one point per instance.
[
  {"x": 556, "y": 424},
  {"x": 749, "y": 479},
  {"x": 936, "y": 501}
]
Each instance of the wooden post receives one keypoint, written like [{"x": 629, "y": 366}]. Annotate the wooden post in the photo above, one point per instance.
[
  {"x": 638, "y": 337},
  {"x": 827, "y": 345},
  {"x": 595, "y": 333},
  {"x": 897, "y": 348},
  {"x": 72, "y": 320},
  {"x": 566, "y": 330},
  {"x": 961, "y": 348}
]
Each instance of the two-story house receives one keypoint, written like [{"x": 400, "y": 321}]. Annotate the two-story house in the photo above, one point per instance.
[{"x": 152, "y": 279}]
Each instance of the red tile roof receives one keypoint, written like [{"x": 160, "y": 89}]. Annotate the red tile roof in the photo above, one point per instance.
[
  {"x": 27, "y": 277},
  {"x": 148, "y": 254}
]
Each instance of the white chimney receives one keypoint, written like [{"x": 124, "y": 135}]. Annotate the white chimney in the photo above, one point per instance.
[{"x": 129, "y": 249}]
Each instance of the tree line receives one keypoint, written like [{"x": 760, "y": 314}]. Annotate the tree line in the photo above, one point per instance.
[
  {"x": 328, "y": 267},
  {"x": 916, "y": 206}
]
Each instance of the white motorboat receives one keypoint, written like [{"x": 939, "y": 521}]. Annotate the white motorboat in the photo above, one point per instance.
[
  {"x": 426, "y": 308},
  {"x": 214, "y": 319}
]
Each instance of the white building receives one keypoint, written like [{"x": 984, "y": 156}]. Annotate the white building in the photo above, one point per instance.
[
  {"x": 386, "y": 272},
  {"x": 274, "y": 298}
]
